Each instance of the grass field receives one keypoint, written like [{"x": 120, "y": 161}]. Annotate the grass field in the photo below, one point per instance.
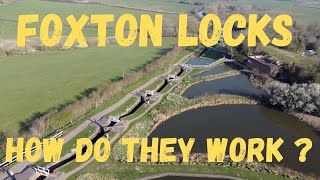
[
  {"x": 299, "y": 13},
  {"x": 167, "y": 6},
  {"x": 35, "y": 83},
  {"x": 9, "y": 14},
  {"x": 288, "y": 57}
]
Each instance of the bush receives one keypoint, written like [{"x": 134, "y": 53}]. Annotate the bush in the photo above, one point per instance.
[
  {"x": 13, "y": 52},
  {"x": 296, "y": 74},
  {"x": 2, "y": 52},
  {"x": 297, "y": 97}
]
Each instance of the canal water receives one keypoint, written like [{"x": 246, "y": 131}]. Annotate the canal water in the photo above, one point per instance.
[
  {"x": 218, "y": 70},
  {"x": 200, "y": 61},
  {"x": 245, "y": 121},
  {"x": 236, "y": 85}
]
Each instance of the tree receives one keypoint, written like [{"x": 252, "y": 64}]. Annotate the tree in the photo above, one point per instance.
[
  {"x": 193, "y": 25},
  {"x": 240, "y": 52},
  {"x": 297, "y": 74},
  {"x": 297, "y": 97},
  {"x": 313, "y": 29},
  {"x": 169, "y": 29}
]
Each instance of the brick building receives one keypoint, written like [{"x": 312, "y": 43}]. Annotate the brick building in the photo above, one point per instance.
[{"x": 264, "y": 64}]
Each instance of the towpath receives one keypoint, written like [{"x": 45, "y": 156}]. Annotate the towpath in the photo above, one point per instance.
[{"x": 17, "y": 168}]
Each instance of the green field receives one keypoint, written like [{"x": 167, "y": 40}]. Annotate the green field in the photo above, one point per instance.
[
  {"x": 287, "y": 57},
  {"x": 166, "y": 6},
  {"x": 295, "y": 9},
  {"x": 9, "y": 14},
  {"x": 37, "y": 82}
]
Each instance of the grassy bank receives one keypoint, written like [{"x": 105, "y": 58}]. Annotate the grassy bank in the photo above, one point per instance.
[
  {"x": 125, "y": 107},
  {"x": 192, "y": 81},
  {"x": 118, "y": 170}
]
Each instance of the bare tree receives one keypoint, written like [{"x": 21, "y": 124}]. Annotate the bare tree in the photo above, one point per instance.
[{"x": 297, "y": 97}]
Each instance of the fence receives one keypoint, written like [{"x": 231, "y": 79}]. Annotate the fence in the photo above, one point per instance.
[{"x": 14, "y": 158}]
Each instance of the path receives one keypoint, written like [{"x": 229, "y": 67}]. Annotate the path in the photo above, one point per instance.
[
  {"x": 20, "y": 166},
  {"x": 126, "y": 126}
]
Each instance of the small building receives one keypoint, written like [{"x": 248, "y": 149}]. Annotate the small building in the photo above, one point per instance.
[
  {"x": 264, "y": 64},
  {"x": 150, "y": 93},
  {"x": 309, "y": 53},
  {"x": 201, "y": 14}
]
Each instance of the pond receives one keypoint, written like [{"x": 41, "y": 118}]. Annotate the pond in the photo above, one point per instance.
[
  {"x": 217, "y": 70},
  {"x": 200, "y": 61},
  {"x": 245, "y": 121},
  {"x": 237, "y": 85}
]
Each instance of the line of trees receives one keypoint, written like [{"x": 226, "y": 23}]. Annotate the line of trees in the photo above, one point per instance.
[{"x": 297, "y": 97}]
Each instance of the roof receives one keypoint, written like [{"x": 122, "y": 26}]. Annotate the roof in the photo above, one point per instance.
[
  {"x": 266, "y": 60},
  {"x": 201, "y": 14}
]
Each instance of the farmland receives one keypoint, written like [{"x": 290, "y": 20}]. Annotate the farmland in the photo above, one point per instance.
[
  {"x": 304, "y": 11},
  {"x": 37, "y": 82},
  {"x": 168, "y": 6},
  {"x": 9, "y": 14}
]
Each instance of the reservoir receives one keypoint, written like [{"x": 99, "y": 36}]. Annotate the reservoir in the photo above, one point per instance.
[
  {"x": 200, "y": 62},
  {"x": 236, "y": 85},
  {"x": 220, "y": 69},
  {"x": 245, "y": 121}
]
